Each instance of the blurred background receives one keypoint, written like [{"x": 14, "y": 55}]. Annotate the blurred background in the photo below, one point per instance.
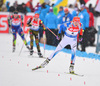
[{"x": 28, "y": 8}]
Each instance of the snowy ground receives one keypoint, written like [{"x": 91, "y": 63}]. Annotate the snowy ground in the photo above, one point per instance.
[{"x": 15, "y": 70}]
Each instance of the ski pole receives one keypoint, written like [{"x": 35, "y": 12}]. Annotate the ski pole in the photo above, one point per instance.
[
  {"x": 23, "y": 44},
  {"x": 50, "y": 30}
]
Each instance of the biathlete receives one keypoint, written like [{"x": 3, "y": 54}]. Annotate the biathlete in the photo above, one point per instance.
[
  {"x": 34, "y": 24},
  {"x": 71, "y": 30},
  {"x": 15, "y": 22}
]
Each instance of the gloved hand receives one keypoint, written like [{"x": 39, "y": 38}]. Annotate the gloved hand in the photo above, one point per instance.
[
  {"x": 44, "y": 28},
  {"x": 9, "y": 26},
  {"x": 80, "y": 38},
  {"x": 58, "y": 37},
  {"x": 22, "y": 24}
]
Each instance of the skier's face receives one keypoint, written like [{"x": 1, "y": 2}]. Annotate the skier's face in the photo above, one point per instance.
[
  {"x": 36, "y": 19},
  {"x": 76, "y": 23},
  {"x": 15, "y": 15},
  {"x": 66, "y": 12}
]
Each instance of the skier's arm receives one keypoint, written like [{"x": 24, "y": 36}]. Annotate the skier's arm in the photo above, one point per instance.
[
  {"x": 42, "y": 25},
  {"x": 9, "y": 18},
  {"x": 29, "y": 22},
  {"x": 81, "y": 33}
]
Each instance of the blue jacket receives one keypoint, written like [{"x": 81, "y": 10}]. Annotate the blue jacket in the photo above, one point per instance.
[
  {"x": 43, "y": 13},
  {"x": 84, "y": 18},
  {"x": 7, "y": 6},
  {"x": 28, "y": 9},
  {"x": 60, "y": 16},
  {"x": 74, "y": 13},
  {"x": 67, "y": 18},
  {"x": 51, "y": 21}
]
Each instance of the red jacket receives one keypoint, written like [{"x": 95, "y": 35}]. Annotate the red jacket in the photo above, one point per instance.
[{"x": 91, "y": 19}]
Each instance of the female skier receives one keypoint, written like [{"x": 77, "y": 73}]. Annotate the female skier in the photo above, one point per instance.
[
  {"x": 71, "y": 30},
  {"x": 34, "y": 24},
  {"x": 15, "y": 22}
]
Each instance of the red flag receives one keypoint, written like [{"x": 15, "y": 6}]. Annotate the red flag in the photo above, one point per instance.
[{"x": 86, "y": 1}]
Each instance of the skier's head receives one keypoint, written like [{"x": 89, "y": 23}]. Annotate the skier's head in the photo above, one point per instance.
[
  {"x": 61, "y": 8},
  {"x": 15, "y": 14},
  {"x": 51, "y": 9},
  {"x": 66, "y": 11},
  {"x": 82, "y": 7},
  {"x": 36, "y": 16},
  {"x": 76, "y": 21}
]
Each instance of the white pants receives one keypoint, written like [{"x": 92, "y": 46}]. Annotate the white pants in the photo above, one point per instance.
[{"x": 66, "y": 41}]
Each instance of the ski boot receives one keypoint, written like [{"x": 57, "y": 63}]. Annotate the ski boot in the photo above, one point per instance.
[
  {"x": 40, "y": 55},
  {"x": 13, "y": 49},
  {"x": 45, "y": 63},
  {"x": 31, "y": 52},
  {"x": 27, "y": 47},
  {"x": 71, "y": 68}
]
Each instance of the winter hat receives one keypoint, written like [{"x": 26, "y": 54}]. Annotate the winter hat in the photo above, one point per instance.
[
  {"x": 61, "y": 7},
  {"x": 82, "y": 6},
  {"x": 66, "y": 9},
  {"x": 51, "y": 9},
  {"x": 36, "y": 8},
  {"x": 39, "y": 5}
]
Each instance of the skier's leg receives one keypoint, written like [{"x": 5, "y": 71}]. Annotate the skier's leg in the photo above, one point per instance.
[
  {"x": 31, "y": 42},
  {"x": 37, "y": 43},
  {"x": 60, "y": 46},
  {"x": 14, "y": 40},
  {"x": 73, "y": 57},
  {"x": 21, "y": 33}
]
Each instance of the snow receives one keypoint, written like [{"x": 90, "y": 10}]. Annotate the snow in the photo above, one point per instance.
[{"x": 16, "y": 70}]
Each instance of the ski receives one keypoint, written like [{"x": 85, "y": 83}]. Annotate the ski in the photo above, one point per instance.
[
  {"x": 37, "y": 68},
  {"x": 74, "y": 74}
]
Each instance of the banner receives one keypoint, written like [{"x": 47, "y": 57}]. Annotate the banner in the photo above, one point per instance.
[
  {"x": 4, "y": 23},
  {"x": 61, "y": 3}
]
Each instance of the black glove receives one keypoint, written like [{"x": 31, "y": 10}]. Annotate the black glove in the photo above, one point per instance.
[
  {"x": 80, "y": 38},
  {"x": 22, "y": 24},
  {"x": 9, "y": 26}
]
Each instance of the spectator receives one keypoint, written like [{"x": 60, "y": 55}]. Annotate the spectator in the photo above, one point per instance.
[
  {"x": 24, "y": 11},
  {"x": 11, "y": 9},
  {"x": 44, "y": 11},
  {"x": 91, "y": 8},
  {"x": 1, "y": 3},
  {"x": 59, "y": 16},
  {"x": 39, "y": 7},
  {"x": 67, "y": 17},
  {"x": 37, "y": 4},
  {"x": 71, "y": 8},
  {"x": 28, "y": 7},
  {"x": 15, "y": 5},
  {"x": 3, "y": 8},
  {"x": 75, "y": 12},
  {"x": 84, "y": 19},
  {"x": 7, "y": 5},
  {"x": 51, "y": 22},
  {"x": 30, "y": 4},
  {"x": 55, "y": 10},
  {"x": 91, "y": 31}
]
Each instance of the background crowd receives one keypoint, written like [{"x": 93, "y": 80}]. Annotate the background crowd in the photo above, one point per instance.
[{"x": 53, "y": 17}]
